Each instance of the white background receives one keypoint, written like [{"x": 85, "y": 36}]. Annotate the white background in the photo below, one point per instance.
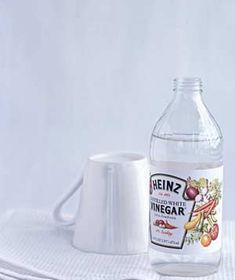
[{"x": 87, "y": 76}]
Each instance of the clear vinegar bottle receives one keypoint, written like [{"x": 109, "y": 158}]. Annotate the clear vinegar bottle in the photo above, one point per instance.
[{"x": 186, "y": 186}]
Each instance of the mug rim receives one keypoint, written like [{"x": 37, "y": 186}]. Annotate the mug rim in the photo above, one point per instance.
[{"x": 127, "y": 157}]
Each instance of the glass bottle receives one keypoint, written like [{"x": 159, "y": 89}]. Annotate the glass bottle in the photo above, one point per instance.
[{"x": 186, "y": 186}]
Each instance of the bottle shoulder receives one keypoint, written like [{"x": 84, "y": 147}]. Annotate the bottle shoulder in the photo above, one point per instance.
[{"x": 187, "y": 122}]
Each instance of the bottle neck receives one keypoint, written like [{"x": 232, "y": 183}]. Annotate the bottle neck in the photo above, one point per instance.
[{"x": 188, "y": 89}]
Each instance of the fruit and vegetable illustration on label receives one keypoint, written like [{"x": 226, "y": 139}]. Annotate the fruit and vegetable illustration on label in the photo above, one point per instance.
[
  {"x": 184, "y": 212},
  {"x": 203, "y": 225}
]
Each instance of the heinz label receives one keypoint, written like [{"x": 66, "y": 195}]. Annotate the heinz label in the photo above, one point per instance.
[{"x": 185, "y": 210}]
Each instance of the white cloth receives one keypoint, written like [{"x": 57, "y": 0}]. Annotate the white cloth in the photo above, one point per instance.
[{"x": 33, "y": 248}]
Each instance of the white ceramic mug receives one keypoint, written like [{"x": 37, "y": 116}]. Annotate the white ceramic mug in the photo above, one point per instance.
[{"x": 112, "y": 216}]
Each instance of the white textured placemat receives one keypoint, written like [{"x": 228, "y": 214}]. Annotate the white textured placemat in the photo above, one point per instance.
[
  {"x": 33, "y": 248},
  {"x": 31, "y": 245}
]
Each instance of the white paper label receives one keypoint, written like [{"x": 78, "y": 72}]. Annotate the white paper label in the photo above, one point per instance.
[{"x": 185, "y": 210}]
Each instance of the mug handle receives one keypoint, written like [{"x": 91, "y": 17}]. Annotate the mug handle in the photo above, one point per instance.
[{"x": 57, "y": 211}]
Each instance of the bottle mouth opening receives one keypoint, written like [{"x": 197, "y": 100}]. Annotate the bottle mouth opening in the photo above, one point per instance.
[{"x": 188, "y": 84}]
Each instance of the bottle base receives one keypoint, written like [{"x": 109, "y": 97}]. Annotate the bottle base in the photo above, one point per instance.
[{"x": 184, "y": 270}]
